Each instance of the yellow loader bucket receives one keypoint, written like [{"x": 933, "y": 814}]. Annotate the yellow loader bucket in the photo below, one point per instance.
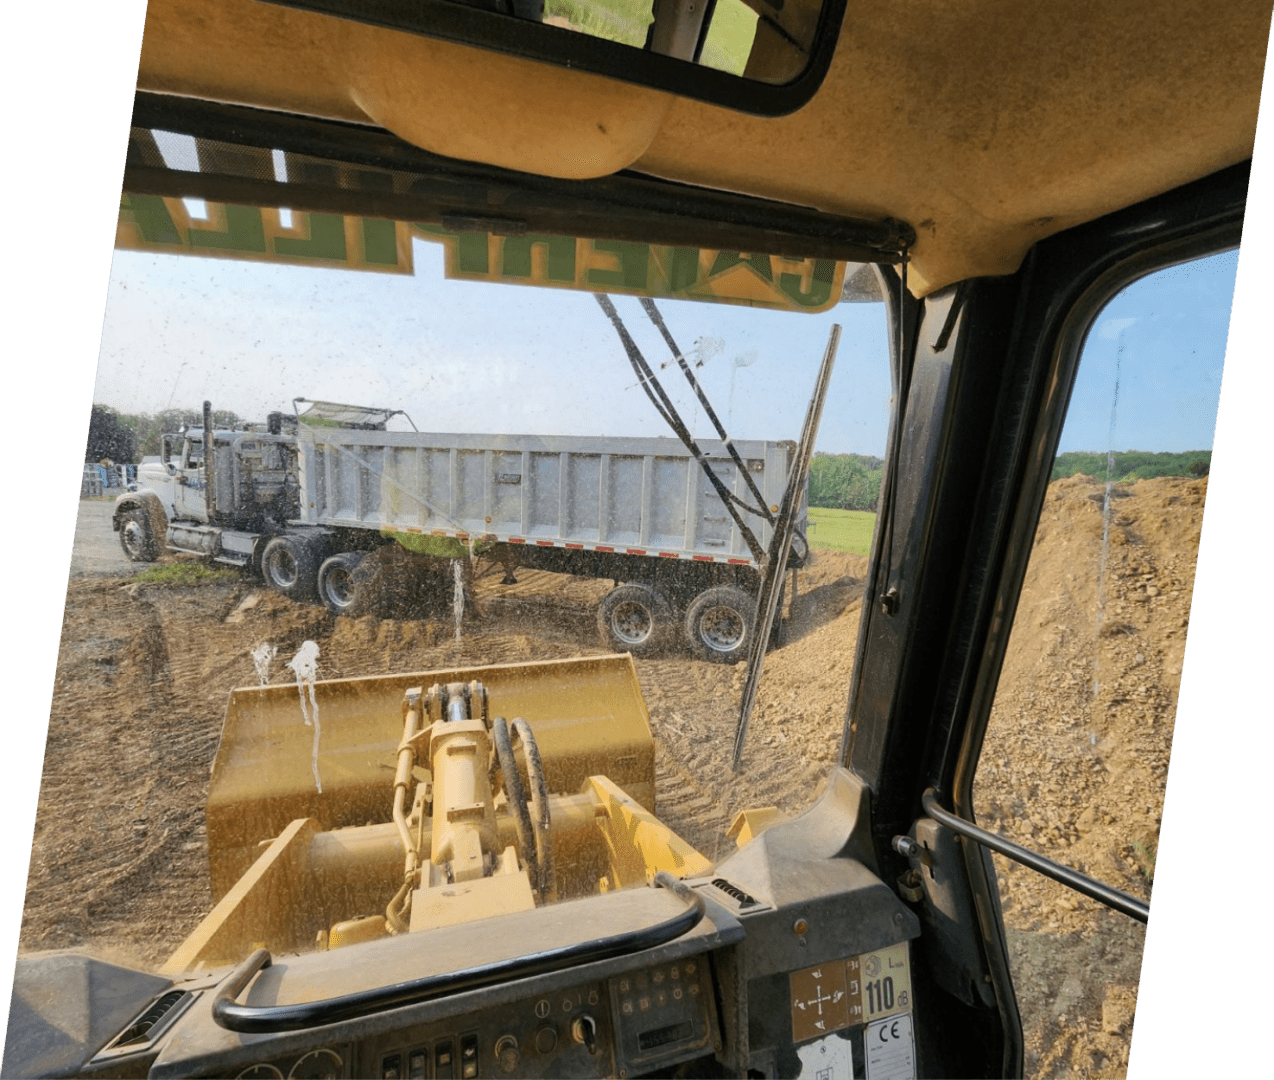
[{"x": 327, "y": 751}]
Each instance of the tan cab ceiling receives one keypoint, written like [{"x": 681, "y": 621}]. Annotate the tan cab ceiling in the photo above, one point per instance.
[{"x": 985, "y": 124}]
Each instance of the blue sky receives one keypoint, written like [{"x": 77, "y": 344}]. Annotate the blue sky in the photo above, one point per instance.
[
  {"x": 1163, "y": 339},
  {"x": 470, "y": 356},
  {"x": 467, "y": 356}
]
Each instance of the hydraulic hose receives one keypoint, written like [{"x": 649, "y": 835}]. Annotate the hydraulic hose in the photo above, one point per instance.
[
  {"x": 539, "y": 806},
  {"x": 516, "y": 794}
]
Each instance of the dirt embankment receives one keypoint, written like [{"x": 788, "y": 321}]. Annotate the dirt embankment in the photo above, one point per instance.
[{"x": 1074, "y": 762}]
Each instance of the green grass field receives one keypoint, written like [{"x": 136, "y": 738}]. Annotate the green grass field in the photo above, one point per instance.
[
  {"x": 187, "y": 572},
  {"x": 841, "y": 530}
]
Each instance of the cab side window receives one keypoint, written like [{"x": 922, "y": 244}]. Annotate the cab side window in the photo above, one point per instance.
[{"x": 1075, "y": 760}]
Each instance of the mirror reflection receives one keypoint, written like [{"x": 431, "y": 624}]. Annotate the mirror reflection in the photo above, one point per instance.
[{"x": 767, "y": 41}]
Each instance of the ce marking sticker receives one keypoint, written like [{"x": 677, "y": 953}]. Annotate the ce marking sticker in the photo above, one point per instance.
[{"x": 890, "y": 1049}]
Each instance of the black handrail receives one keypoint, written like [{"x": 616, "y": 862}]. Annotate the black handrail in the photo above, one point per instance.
[
  {"x": 1072, "y": 879},
  {"x": 254, "y": 1019}
]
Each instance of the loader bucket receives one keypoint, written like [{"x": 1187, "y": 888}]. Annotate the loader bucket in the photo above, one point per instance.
[{"x": 587, "y": 714}]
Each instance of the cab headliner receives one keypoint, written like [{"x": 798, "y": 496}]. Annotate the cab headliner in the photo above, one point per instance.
[{"x": 986, "y": 125}]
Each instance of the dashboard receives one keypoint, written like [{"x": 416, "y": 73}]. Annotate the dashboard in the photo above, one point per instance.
[{"x": 791, "y": 959}]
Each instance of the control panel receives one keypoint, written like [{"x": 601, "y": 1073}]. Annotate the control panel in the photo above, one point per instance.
[
  {"x": 664, "y": 1015},
  {"x": 565, "y": 1033},
  {"x": 633, "y": 1022},
  {"x": 648, "y": 1018}
]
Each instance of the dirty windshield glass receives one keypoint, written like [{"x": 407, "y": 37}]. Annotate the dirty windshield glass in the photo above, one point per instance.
[{"x": 431, "y": 511}]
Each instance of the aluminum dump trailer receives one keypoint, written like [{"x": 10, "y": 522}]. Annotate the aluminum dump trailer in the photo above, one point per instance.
[
  {"x": 641, "y": 511},
  {"x": 630, "y": 496}
]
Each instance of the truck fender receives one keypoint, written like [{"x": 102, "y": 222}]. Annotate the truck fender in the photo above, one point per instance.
[
  {"x": 147, "y": 501},
  {"x": 258, "y": 549}
]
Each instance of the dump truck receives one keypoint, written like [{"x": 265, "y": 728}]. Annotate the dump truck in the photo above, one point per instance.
[{"x": 302, "y": 499}]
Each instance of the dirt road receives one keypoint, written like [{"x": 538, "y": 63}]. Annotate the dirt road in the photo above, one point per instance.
[
  {"x": 96, "y": 549},
  {"x": 1074, "y": 764}
]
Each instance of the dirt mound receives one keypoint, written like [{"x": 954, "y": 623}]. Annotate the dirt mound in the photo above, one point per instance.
[
  {"x": 394, "y": 583},
  {"x": 1074, "y": 762}
]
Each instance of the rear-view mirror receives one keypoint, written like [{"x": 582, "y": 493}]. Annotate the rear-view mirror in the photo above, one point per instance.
[{"x": 759, "y": 56}]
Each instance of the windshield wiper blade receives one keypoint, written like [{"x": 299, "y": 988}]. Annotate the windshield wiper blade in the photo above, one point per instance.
[
  {"x": 648, "y": 305},
  {"x": 776, "y": 560}
]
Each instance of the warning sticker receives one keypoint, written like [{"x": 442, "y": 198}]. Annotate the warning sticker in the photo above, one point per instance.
[
  {"x": 890, "y": 1049},
  {"x": 831, "y": 1058},
  {"x": 844, "y": 993},
  {"x": 882, "y": 980}
]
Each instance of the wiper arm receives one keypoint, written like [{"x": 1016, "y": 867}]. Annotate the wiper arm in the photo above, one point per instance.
[
  {"x": 663, "y": 404},
  {"x": 648, "y": 305}
]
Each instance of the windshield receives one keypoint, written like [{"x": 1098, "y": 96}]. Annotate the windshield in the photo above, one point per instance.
[
  {"x": 425, "y": 474},
  {"x": 519, "y": 495}
]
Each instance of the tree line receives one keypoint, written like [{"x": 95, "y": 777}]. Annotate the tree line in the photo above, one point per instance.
[
  {"x": 845, "y": 481},
  {"x": 126, "y": 438},
  {"x": 1129, "y": 465},
  {"x": 837, "y": 481},
  {"x": 852, "y": 481}
]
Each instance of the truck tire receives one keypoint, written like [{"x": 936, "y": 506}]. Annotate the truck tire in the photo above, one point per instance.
[
  {"x": 336, "y": 585},
  {"x": 290, "y": 566},
  {"x": 634, "y": 619},
  {"x": 719, "y": 624},
  {"x": 135, "y": 536}
]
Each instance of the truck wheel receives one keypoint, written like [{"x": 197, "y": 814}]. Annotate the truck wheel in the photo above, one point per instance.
[
  {"x": 633, "y": 619},
  {"x": 719, "y": 624},
  {"x": 135, "y": 536},
  {"x": 289, "y": 565},
  {"x": 336, "y": 582}
]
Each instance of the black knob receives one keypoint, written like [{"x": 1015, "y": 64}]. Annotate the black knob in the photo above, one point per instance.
[
  {"x": 584, "y": 1030},
  {"x": 507, "y": 1053}
]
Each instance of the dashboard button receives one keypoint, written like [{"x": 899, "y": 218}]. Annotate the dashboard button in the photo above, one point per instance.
[
  {"x": 444, "y": 1066},
  {"x": 468, "y": 1057},
  {"x": 507, "y": 1053}
]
